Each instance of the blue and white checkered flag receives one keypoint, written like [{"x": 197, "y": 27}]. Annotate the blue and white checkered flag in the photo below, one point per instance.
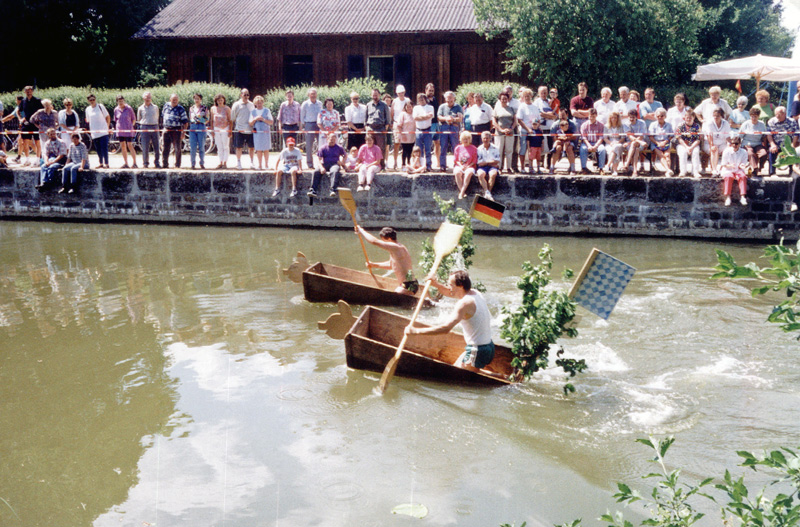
[{"x": 600, "y": 283}]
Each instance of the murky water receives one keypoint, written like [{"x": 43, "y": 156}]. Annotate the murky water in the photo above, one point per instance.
[{"x": 159, "y": 375}]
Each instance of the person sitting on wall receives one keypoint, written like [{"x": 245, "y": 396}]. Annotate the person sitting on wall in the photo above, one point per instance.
[
  {"x": 661, "y": 134},
  {"x": 77, "y": 161},
  {"x": 55, "y": 152},
  {"x": 565, "y": 136},
  {"x": 717, "y": 131},
  {"x": 780, "y": 127},
  {"x": 734, "y": 166},
  {"x": 290, "y": 162},
  {"x": 465, "y": 161},
  {"x": 754, "y": 136},
  {"x": 636, "y": 132},
  {"x": 488, "y": 165},
  {"x": 369, "y": 163},
  {"x": 329, "y": 160},
  {"x": 399, "y": 259}
]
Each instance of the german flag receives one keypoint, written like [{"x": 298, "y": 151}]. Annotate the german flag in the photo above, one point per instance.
[{"x": 487, "y": 210}]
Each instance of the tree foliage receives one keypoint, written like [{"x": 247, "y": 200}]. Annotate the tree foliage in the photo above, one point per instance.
[
  {"x": 79, "y": 42},
  {"x": 781, "y": 275},
  {"x": 541, "y": 319},
  {"x": 673, "y": 502},
  {"x": 461, "y": 257},
  {"x": 634, "y": 42}
]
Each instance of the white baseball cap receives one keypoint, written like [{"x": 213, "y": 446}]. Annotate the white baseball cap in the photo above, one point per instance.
[{"x": 400, "y": 89}]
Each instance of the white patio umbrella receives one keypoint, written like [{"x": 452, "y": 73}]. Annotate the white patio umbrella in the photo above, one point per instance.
[{"x": 759, "y": 67}]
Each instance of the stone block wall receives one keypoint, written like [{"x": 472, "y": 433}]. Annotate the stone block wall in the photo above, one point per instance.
[{"x": 648, "y": 206}]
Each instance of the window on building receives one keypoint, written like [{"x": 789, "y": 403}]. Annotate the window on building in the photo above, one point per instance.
[
  {"x": 200, "y": 69},
  {"x": 223, "y": 70},
  {"x": 382, "y": 68},
  {"x": 355, "y": 66},
  {"x": 298, "y": 69}
]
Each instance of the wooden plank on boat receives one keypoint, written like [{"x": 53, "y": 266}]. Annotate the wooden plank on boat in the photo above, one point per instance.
[
  {"x": 373, "y": 339},
  {"x": 323, "y": 282}
]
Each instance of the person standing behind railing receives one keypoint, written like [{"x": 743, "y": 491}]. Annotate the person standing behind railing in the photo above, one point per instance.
[
  {"x": 175, "y": 121},
  {"x": 68, "y": 121},
  {"x": 99, "y": 122},
  {"x": 147, "y": 116},
  {"x": 198, "y": 117},
  {"x": 221, "y": 121},
  {"x": 124, "y": 119},
  {"x": 449, "y": 116},
  {"x": 309, "y": 111},
  {"x": 288, "y": 118}
]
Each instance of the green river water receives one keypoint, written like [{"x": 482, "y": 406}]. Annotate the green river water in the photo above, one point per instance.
[{"x": 163, "y": 375}]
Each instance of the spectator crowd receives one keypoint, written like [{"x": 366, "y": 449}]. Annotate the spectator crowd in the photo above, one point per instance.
[{"x": 522, "y": 133}]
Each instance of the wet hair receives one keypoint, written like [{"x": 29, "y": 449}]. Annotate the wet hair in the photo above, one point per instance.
[
  {"x": 389, "y": 233},
  {"x": 461, "y": 279}
]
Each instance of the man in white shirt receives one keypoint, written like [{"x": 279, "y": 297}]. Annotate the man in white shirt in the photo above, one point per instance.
[
  {"x": 547, "y": 114},
  {"x": 242, "y": 131},
  {"x": 480, "y": 116},
  {"x": 705, "y": 110},
  {"x": 625, "y": 104},
  {"x": 605, "y": 106}
]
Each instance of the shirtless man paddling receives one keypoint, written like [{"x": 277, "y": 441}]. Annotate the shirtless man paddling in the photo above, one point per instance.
[{"x": 399, "y": 259}]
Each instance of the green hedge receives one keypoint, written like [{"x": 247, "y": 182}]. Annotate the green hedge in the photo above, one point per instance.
[{"x": 340, "y": 92}]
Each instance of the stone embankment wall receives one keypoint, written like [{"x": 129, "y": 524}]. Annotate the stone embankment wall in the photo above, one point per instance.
[{"x": 655, "y": 206}]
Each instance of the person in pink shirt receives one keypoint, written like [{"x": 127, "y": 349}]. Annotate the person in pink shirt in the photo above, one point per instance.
[
  {"x": 369, "y": 163},
  {"x": 125, "y": 117},
  {"x": 465, "y": 158}
]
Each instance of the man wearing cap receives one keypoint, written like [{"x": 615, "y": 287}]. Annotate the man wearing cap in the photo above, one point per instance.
[
  {"x": 309, "y": 111},
  {"x": 378, "y": 119},
  {"x": 290, "y": 162},
  {"x": 398, "y": 105}
]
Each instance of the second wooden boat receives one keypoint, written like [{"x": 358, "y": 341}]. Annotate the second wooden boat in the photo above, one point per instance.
[
  {"x": 375, "y": 335},
  {"x": 323, "y": 282}
]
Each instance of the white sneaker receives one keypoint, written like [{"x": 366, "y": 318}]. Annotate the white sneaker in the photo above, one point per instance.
[
  {"x": 276, "y": 192},
  {"x": 696, "y": 175},
  {"x": 793, "y": 208},
  {"x": 682, "y": 174},
  {"x": 743, "y": 201},
  {"x": 238, "y": 166},
  {"x": 488, "y": 195},
  {"x": 614, "y": 173},
  {"x": 360, "y": 188},
  {"x": 293, "y": 193},
  {"x": 366, "y": 187},
  {"x": 669, "y": 173},
  {"x": 728, "y": 201}
]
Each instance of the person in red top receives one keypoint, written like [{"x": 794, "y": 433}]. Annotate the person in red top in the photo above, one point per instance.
[
  {"x": 555, "y": 104},
  {"x": 580, "y": 104},
  {"x": 465, "y": 160}
]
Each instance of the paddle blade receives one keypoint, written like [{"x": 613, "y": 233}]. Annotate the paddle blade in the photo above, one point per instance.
[
  {"x": 446, "y": 239},
  {"x": 346, "y": 198}
]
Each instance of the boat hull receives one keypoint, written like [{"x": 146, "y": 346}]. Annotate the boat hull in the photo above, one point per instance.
[
  {"x": 375, "y": 335},
  {"x": 324, "y": 282}
]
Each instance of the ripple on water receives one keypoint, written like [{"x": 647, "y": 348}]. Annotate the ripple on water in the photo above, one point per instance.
[
  {"x": 340, "y": 493},
  {"x": 728, "y": 367}
]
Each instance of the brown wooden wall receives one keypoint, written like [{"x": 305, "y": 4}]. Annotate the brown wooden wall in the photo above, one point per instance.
[{"x": 446, "y": 59}]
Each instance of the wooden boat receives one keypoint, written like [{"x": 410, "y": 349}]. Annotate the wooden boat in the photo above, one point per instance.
[
  {"x": 375, "y": 335},
  {"x": 324, "y": 282}
]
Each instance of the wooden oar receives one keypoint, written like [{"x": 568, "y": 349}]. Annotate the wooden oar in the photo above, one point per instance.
[
  {"x": 446, "y": 239},
  {"x": 346, "y": 198}
]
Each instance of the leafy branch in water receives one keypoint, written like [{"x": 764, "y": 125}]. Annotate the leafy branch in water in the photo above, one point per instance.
[
  {"x": 782, "y": 274},
  {"x": 541, "y": 319},
  {"x": 671, "y": 502},
  {"x": 461, "y": 257}
]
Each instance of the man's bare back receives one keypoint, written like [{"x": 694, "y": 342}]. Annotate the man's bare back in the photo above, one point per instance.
[{"x": 399, "y": 260}]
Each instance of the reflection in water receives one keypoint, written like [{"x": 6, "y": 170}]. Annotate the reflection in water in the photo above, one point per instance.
[{"x": 162, "y": 375}]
